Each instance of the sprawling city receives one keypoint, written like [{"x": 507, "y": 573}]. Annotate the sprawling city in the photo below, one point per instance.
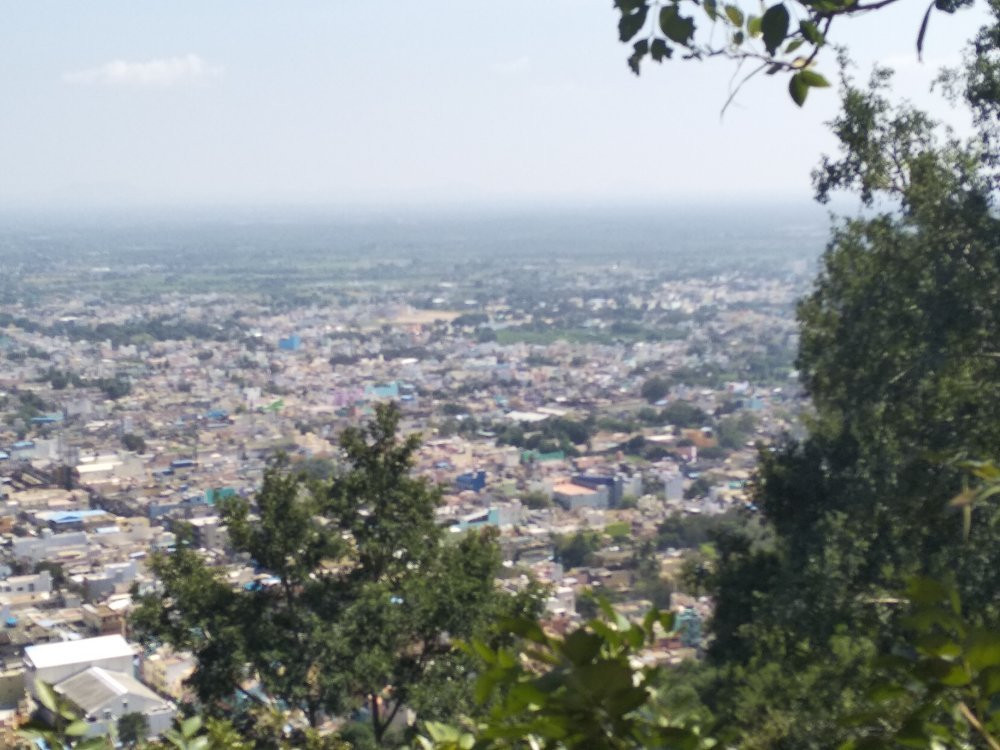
[{"x": 602, "y": 412}]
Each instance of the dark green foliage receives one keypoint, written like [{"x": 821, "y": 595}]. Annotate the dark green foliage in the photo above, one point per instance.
[
  {"x": 700, "y": 487},
  {"x": 536, "y": 500},
  {"x": 368, "y": 595},
  {"x": 132, "y": 728},
  {"x": 647, "y": 581},
  {"x": 898, "y": 344},
  {"x": 655, "y": 389},
  {"x": 777, "y": 38},
  {"x": 577, "y": 550},
  {"x": 734, "y": 431},
  {"x": 943, "y": 691},
  {"x": 689, "y": 531},
  {"x": 683, "y": 414},
  {"x": 485, "y": 335},
  {"x": 581, "y": 692},
  {"x": 559, "y": 433},
  {"x": 133, "y": 442},
  {"x": 114, "y": 388}
]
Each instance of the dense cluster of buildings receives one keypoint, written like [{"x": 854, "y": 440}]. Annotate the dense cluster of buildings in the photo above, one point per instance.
[{"x": 532, "y": 415}]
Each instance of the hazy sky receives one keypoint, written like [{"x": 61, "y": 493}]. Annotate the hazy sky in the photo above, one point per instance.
[{"x": 229, "y": 102}]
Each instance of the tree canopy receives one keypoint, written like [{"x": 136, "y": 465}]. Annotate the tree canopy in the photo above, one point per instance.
[
  {"x": 898, "y": 352},
  {"x": 359, "y": 596}
]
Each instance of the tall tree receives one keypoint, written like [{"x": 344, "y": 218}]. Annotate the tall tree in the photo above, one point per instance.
[
  {"x": 365, "y": 597},
  {"x": 900, "y": 353}
]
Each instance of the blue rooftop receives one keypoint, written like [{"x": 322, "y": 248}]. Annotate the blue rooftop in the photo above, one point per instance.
[{"x": 69, "y": 516}]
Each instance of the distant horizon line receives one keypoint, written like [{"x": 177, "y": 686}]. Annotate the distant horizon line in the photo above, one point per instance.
[{"x": 265, "y": 211}]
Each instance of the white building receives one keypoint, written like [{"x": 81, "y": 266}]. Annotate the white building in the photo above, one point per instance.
[
  {"x": 54, "y": 662},
  {"x": 97, "y": 675}
]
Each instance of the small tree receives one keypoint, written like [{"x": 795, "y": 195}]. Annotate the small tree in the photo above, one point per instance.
[
  {"x": 133, "y": 728},
  {"x": 133, "y": 442},
  {"x": 654, "y": 389}
]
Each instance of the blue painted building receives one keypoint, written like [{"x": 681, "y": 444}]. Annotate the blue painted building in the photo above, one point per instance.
[
  {"x": 382, "y": 390},
  {"x": 474, "y": 481},
  {"x": 290, "y": 343}
]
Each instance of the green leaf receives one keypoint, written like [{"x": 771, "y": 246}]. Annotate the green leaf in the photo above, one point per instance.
[
  {"x": 581, "y": 647},
  {"x": 627, "y": 700},
  {"x": 812, "y": 79},
  {"x": 926, "y": 591},
  {"x": 46, "y": 695},
  {"x": 484, "y": 652},
  {"x": 798, "y": 89},
  {"x": 927, "y": 618},
  {"x": 635, "y": 636},
  {"x": 956, "y": 676},
  {"x": 660, "y": 50},
  {"x": 631, "y": 23},
  {"x": 483, "y": 688},
  {"x": 793, "y": 45},
  {"x": 649, "y": 619},
  {"x": 639, "y": 50},
  {"x": 811, "y": 32},
  {"x": 605, "y": 677},
  {"x": 506, "y": 659},
  {"x": 77, "y": 728},
  {"x": 668, "y": 621},
  {"x": 735, "y": 15},
  {"x": 774, "y": 26},
  {"x": 523, "y": 695},
  {"x": 677, "y": 28},
  {"x": 441, "y": 732},
  {"x": 753, "y": 26},
  {"x": 738, "y": 38},
  {"x": 989, "y": 681},
  {"x": 190, "y": 727},
  {"x": 912, "y": 733},
  {"x": 525, "y": 628},
  {"x": 711, "y": 9},
  {"x": 886, "y": 693},
  {"x": 983, "y": 649},
  {"x": 936, "y": 644}
]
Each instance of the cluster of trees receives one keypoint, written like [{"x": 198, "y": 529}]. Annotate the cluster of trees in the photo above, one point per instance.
[
  {"x": 898, "y": 353},
  {"x": 112, "y": 388},
  {"x": 558, "y": 433},
  {"x": 138, "y": 331}
]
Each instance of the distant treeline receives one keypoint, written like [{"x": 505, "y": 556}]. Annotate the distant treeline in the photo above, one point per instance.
[{"x": 160, "y": 328}]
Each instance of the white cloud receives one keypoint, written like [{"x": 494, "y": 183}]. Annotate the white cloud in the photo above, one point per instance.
[
  {"x": 159, "y": 73},
  {"x": 512, "y": 67}
]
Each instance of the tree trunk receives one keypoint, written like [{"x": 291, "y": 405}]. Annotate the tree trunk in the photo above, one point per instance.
[{"x": 377, "y": 728}]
